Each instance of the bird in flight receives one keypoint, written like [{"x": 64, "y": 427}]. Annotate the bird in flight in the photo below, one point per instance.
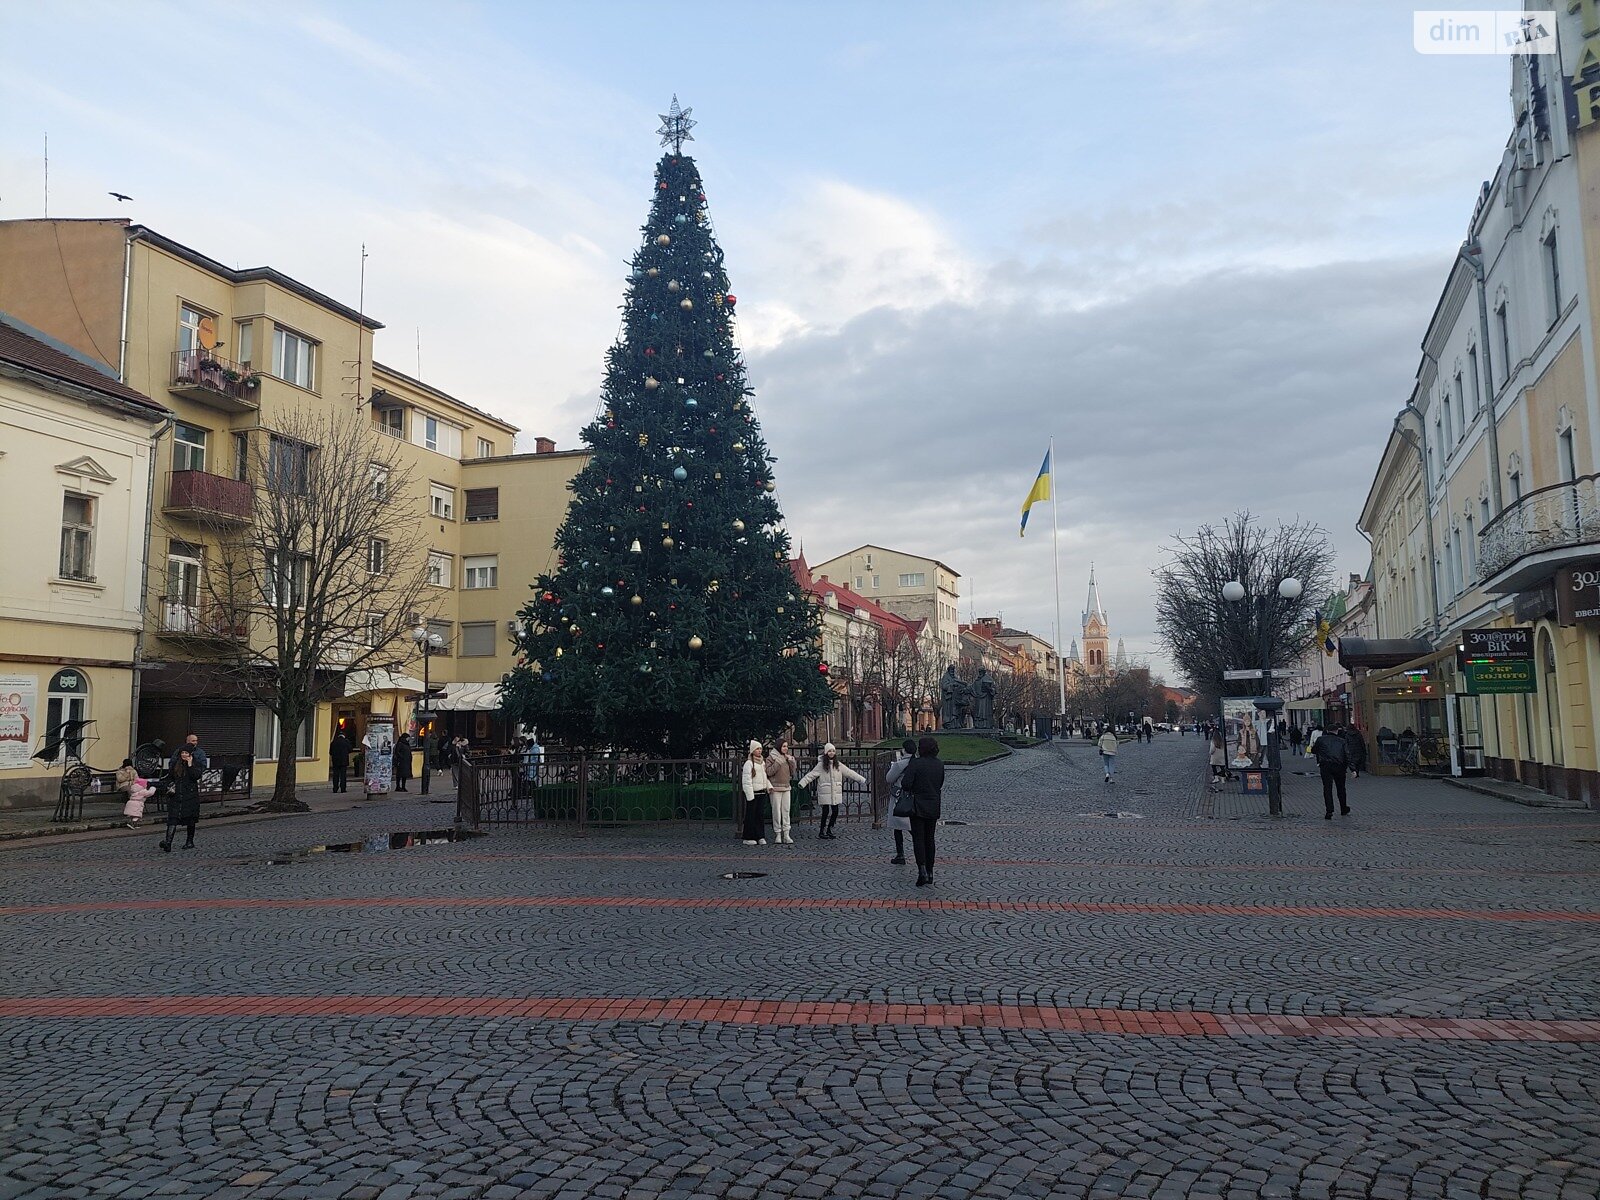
[{"x": 118, "y": 196}]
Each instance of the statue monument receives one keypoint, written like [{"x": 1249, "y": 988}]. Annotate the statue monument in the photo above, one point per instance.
[
  {"x": 983, "y": 703},
  {"x": 956, "y": 695}
]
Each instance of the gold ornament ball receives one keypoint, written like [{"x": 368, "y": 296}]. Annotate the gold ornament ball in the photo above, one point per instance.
[
  {"x": 663, "y": 240},
  {"x": 674, "y": 286},
  {"x": 666, "y": 524},
  {"x": 738, "y": 526},
  {"x": 668, "y": 542},
  {"x": 650, "y": 381},
  {"x": 772, "y": 487},
  {"x": 695, "y": 643},
  {"x": 637, "y": 601},
  {"x": 653, "y": 272},
  {"x": 574, "y": 631},
  {"x": 738, "y": 447},
  {"x": 686, "y": 303}
]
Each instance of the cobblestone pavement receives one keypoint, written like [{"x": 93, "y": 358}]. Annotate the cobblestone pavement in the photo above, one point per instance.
[{"x": 1189, "y": 999}]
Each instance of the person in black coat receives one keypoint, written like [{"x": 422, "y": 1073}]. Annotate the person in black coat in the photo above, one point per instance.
[
  {"x": 339, "y": 762},
  {"x": 1356, "y": 750},
  {"x": 183, "y": 805},
  {"x": 402, "y": 761},
  {"x": 923, "y": 785}
]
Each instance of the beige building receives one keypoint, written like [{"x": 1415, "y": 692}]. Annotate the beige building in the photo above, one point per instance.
[
  {"x": 233, "y": 351},
  {"x": 916, "y": 588},
  {"x": 75, "y": 451}
]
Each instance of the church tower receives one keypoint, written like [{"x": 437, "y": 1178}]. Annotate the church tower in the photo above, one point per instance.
[{"x": 1096, "y": 632}]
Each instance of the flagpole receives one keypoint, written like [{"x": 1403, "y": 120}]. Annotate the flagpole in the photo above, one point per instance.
[{"x": 1055, "y": 562}]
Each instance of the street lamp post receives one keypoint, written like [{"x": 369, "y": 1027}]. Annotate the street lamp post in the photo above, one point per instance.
[
  {"x": 1289, "y": 589},
  {"x": 428, "y": 642}
]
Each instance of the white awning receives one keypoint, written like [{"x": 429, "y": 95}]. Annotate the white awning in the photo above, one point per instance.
[
  {"x": 468, "y": 697},
  {"x": 358, "y": 682},
  {"x": 1309, "y": 704}
]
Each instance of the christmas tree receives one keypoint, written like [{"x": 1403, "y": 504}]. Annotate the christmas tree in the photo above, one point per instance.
[{"x": 672, "y": 622}]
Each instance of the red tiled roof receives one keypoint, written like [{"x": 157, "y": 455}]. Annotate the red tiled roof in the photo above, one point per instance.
[
  {"x": 891, "y": 623},
  {"x": 22, "y": 349}
]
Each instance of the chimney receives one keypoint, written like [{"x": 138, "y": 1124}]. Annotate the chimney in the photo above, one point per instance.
[
  {"x": 544, "y": 445},
  {"x": 822, "y": 579}
]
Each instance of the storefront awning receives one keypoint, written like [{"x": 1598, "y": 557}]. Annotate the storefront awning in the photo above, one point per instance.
[
  {"x": 358, "y": 682},
  {"x": 468, "y": 697},
  {"x": 1309, "y": 704},
  {"x": 1377, "y": 653}
]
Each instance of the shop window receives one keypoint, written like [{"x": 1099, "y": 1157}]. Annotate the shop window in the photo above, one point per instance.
[
  {"x": 267, "y": 726},
  {"x": 67, "y": 699}
]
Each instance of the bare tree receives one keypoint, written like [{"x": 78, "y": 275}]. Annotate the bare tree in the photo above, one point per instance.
[
  {"x": 326, "y": 576},
  {"x": 1205, "y": 634}
]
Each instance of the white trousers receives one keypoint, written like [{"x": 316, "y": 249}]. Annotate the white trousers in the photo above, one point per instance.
[{"x": 780, "y": 814}]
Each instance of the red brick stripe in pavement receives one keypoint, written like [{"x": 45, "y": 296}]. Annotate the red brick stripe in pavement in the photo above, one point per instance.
[
  {"x": 1275, "y": 911},
  {"x": 1127, "y": 1022}
]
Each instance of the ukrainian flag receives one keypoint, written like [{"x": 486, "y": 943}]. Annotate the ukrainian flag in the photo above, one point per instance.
[{"x": 1039, "y": 491}]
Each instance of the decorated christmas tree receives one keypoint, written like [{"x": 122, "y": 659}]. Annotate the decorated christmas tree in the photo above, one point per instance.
[{"x": 671, "y": 622}]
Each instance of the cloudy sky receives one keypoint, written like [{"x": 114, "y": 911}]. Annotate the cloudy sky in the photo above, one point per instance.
[{"x": 1195, "y": 242}]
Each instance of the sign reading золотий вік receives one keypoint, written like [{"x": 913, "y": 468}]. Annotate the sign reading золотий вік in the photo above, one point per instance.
[
  {"x": 1495, "y": 645},
  {"x": 1578, "y": 594}
]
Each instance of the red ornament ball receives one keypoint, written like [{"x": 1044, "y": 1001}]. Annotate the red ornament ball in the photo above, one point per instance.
[
  {"x": 662, "y": 185},
  {"x": 649, "y": 351},
  {"x": 549, "y": 597},
  {"x": 730, "y": 299},
  {"x": 822, "y": 668}
]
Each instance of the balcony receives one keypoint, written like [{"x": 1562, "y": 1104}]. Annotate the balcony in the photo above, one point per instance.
[
  {"x": 207, "y": 498},
  {"x": 216, "y": 382},
  {"x": 1539, "y": 534},
  {"x": 200, "y": 621}
]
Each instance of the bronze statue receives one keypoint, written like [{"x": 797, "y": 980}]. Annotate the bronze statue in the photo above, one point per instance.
[
  {"x": 956, "y": 695},
  {"x": 983, "y": 704}
]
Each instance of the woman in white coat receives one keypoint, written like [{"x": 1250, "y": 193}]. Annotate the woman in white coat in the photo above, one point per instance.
[
  {"x": 753, "y": 778},
  {"x": 829, "y": 775},
  {"x": 900, "y": 825}
]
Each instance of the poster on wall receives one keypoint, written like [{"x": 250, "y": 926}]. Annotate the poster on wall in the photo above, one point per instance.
[
  {"x": 1241, "y": 731},
  {"x": 379, "y": 756},
  {"x": 19, "y": 714}
]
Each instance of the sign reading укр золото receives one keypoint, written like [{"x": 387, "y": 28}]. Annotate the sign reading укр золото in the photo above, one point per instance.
[
  {"x": 1496, "y": 645},
  {"x": 1578, "y": 594}
]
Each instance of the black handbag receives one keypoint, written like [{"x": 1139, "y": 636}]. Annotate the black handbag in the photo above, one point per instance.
[{"x": 906, "y": 806}]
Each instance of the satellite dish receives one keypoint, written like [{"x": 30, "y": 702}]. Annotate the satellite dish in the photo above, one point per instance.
[{"x": 208, "y": 333}]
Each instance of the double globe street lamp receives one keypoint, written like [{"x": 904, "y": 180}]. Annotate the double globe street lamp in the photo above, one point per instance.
[
  {"x": 429, "y": 643},
  {"x": 1289, "y": 590}
]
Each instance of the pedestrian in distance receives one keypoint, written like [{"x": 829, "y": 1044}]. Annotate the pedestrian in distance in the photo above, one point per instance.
[
  {"x": 829, "y": 775},
  {"x": 402, "y": 761},
  {"x": 757, "y": 787},
  {"x": 459, "y": 745},
  {"x": 782, "y": 767},
  {"x": 921, "y": 800},
  {"x": 1356, "y": 749},
  {"x": 191, "y": 743},
  {"x": 1218, "y": 755},
  {"x": 1108, "y": 754},
  {"x": 1296, "y": 736},
  {"x": 900, "y": 825},
  {"x": 339, "y": 748},
  {"x": 1333, "y": 756},
  {"x": 183, "y": 805}
]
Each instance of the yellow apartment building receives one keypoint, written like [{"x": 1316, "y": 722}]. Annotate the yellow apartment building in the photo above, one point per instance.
[
  {"x": 233, "y": 352},
  {"x": 75, "y": 452},
  {"x": 908, "y": 585}
]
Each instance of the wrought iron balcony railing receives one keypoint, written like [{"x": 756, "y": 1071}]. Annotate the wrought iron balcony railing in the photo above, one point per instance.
[
  {"x": 204, "y": 376},
  {"x": 1558, "y": 517},
  {"x": 208, "y": 497}
]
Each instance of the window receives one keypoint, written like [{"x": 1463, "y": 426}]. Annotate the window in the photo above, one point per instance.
[
  {"x": 391, "y": 420},
  {"x": 288, "y": 465},
  {"x": 1566, "y": 456},
  {"x": 1483, "y": 511},
  {"x": 287, "y": 580},
  {"x": 377, "y": 635},
  {"x": 483, "y": 504},
  {"x": 1552, "y": 275},
  {"x": 190, "y": 321},
  {"x": 1444, "y": 411},
  {"x": 1477, "y": 383},
  {"x": 1515, "y": 479},
  {"x": 244, "y": 342},
  {"x": 1470, "y": 549},
  {"x": 481, "y": 571},
  {"x": 441, "y": 569},
  {"x": 241, "y": 456},
  {"x": 859, "y": 586},
  {"x": 1502, "y": 321},
  {"x": 62, "y": 704},
  {"x": 77, "y": 537},
  {"x": 377, "y": 555},
  {"x": 477, "y": 639},
  {"x": 432, "y": 433},
  {"x": 444, "y": 631},
  {"x": 188, "y": 447},
  {"x": 443, "y": 501},
  {"x": 876, "y": 581},
  {"x": 294, "y": 359},
  {"x": 485, "y": 448},
  {"x": 183, "y": 576},
  {"x": 914, "y": 579},
  {"x": 1461, "y": 407},
  {"x": 378, "y": 477},
  {"x": 267, "y": 727}
]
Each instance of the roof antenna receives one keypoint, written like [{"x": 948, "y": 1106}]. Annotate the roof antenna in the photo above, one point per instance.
[
  {"x": 419, "y": 352},
  {"x": 47, "y": 173},
  {"x": 361, "y": 328}
]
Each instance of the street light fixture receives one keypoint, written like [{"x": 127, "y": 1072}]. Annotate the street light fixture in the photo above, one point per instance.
[
  {"x": 429, "y": 643},
  {"x": 1289, "y": 588}
]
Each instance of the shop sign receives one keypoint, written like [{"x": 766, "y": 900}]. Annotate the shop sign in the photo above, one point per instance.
[
  {"x": 1578, "y": 594},
  {"x": 1505, "y": 678},
  {"x": 1494, "y": 645},
  {"x": 19, "y": 712},
  {"x": 1536, "y": 604}
]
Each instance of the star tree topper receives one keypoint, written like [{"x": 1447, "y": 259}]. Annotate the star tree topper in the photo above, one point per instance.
[{"x": 675, "y": 126}]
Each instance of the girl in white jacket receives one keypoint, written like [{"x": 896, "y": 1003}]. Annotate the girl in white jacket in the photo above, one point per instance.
[
  {"x": 829, "y": 775},
  {"x": 753, "y": 778}
]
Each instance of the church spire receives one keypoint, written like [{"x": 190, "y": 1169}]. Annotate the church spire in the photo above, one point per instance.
[{"x": 1093, "y": 608}]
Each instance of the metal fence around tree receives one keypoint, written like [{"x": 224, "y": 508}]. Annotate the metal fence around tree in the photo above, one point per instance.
[{"x": 565, "y": 788}]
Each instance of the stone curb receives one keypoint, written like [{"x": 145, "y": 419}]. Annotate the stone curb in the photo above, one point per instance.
[
  {"x": 1535, "y": 801},
  {"x": 120, "y": 828}
]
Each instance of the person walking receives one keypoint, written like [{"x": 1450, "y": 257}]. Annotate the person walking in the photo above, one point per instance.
[
  {"x": 900, "y": 825},
  {"x": 183, "y": 805},
  {"x": 781, "y": 769},
  {"x": 757, "y": 788},
  {"x": 339, "y": 761},
  {"x": 191, "y": 743},
  {"x": 1148, "y": 728},
  {"x": 459, "y": 745},
  {"x": 1108, "y": 753},
  {"x": 402, "y": 760},
  {"x": 1356, "y": 750},
  {"x": 921, "y": 801},
  {"x": 1296, "y": 736},
  {"x": 1333, "y": 756},
  {"x": 829, "y": 775},
  {"x": 1219, "y": 760}
]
